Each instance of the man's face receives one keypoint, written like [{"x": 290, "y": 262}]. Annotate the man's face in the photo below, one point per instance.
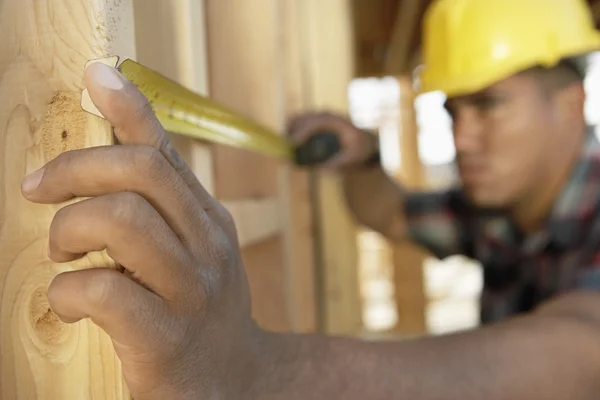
[{"x": 502, "y": 136}]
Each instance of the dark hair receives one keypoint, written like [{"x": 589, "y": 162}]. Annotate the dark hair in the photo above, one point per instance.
[{"x": 567, "y": 72}]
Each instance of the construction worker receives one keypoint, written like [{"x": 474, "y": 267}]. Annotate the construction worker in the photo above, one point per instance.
[
  {"x": 529, "y": 200},
  {"x": 180, "y": 317}
]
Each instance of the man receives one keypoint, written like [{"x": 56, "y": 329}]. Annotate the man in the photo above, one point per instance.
[
  {"x": 529, "y": 204},
  {"x": 180, "y": 317}
]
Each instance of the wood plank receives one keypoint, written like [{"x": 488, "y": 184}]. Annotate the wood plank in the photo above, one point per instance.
[
  {"x": 256, "y": 220},
  {"x": 403, "y": 34},
  {"x": 409, "y": 257},
  {"x": 44, "y": 47},
  {"x": 267, "y": 284},
  {"x": 329, "y": 65},
  {"x": 294, "y": 183},
  {"x": 595, "y": 9},
  {"x": 171, "y": 39},
  {"x": 373, "y": 22},
  {"x": 244, "y": 75}
]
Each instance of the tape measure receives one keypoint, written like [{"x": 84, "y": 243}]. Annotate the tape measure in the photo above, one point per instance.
[{"x": 184, "y": 112}]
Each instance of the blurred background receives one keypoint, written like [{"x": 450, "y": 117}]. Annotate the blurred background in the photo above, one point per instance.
[{"x": 311, "y": 267}]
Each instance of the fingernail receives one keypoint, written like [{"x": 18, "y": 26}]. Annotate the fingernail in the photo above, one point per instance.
[
  {"x": 106, "y": 76},
  {"x": 31, "y": 182}
]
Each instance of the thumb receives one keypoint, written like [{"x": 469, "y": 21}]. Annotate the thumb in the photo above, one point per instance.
[{"x": 124, "y": 106}]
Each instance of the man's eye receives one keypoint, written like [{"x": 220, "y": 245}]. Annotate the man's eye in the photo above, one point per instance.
[{"x": 487, "y": 103}]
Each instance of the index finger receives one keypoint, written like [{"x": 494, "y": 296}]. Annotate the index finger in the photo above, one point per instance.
[{"x": 134, "y": 122}]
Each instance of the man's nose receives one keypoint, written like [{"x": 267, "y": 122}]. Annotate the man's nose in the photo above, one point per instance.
[{"x": 467, "y": 130}]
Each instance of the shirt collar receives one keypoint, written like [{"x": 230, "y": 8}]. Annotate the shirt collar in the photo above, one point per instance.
[{"x": 577, "y": 203}]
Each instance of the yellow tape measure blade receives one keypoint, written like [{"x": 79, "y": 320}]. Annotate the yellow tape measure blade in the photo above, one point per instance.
[{"x": 185, "y": 112}]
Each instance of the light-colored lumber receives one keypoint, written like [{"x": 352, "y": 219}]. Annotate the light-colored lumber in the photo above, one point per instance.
[
  {"x": 295, "y": 183},
  {"x": 329, "y": 65},
  {"x": 403, "y": 35},
  {"x": 245, "y": 75},
  {"x": 408, "y": 258},
  {"x": 44, "y": 45},
  {"x": 171, "y": 39},
  {"x": 256, "y": 220}
]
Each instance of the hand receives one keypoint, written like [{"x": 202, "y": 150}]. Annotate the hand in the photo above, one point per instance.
[
  {"x": 180, "y": 315},
  {"x": 357, "y": 145}
]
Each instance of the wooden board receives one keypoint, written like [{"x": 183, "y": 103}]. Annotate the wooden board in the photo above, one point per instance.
[
  {"x": 409, "y": 257},
  {"x": 44, "y": 46},
  {"x": 267, "y": 279},
  {"x": 328, "y": 61},
  {"x": 245, "y": 75},
  {"x": 171, "y": 39},
  {"x": 254, "y": 57},
  {"x": 295, "y": 185}
]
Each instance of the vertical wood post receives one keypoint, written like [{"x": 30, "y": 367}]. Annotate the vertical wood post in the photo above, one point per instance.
[
  {"x": 44, "y": 47},
  {"x": 408, "y": 258},
  {"x": 329, "y": 66}
]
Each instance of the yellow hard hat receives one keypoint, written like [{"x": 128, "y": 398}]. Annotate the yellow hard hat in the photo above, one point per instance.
[{"x": 471, "y": 44}]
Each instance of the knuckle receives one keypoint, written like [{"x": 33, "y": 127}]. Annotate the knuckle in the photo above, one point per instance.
[
  {"x": 58, "y": 227},
  {"x": 54, "y": 292},
  {"x": 126, "y": 208},
  {"x": 143, "y": 110},
  {"x": 63, "y": 162},
  {"x": 150, "y": 162},
  {"x": 225, "y": 216},
  {"x": 219, "y": 250},
  {"x": 101, "y": 288}
]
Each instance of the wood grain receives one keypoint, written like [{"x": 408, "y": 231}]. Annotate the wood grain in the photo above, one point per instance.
[{"x": 44, "y": 45}]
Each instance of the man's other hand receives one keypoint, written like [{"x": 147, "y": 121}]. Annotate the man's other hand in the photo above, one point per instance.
[{"x": 357, "y": 146}]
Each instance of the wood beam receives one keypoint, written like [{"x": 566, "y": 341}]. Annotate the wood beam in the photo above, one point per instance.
[
  {"x": 408, "y": 258},
  {"x": 329, "y": 67},
  {"x": 402, "y": 37},
  {"x": 171, "y": 39},
  {"x": 595, "y": 8},
  {"x": 246, "y": 75},
  {"x": 294, "y": 183},
  {"x": 44, "y": 47},
  {"x": 256, "y": 220}
]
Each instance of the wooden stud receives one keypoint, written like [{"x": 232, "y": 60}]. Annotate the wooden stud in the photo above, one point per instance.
[
  {"x": 294, "y": 183},
  {"x": 402, "y": 37},
  {"x": 45, "y": 45},
  {"x": 245, "y": 75},
  {"x": 408, "y": 258},
  {"x": 171, "y": 39},
  {"x": 256, "y": 220},
  {"x": 329, "y": 65}
]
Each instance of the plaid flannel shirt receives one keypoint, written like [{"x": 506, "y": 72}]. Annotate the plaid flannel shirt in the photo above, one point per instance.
[{"x": 519, "y": 272}]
